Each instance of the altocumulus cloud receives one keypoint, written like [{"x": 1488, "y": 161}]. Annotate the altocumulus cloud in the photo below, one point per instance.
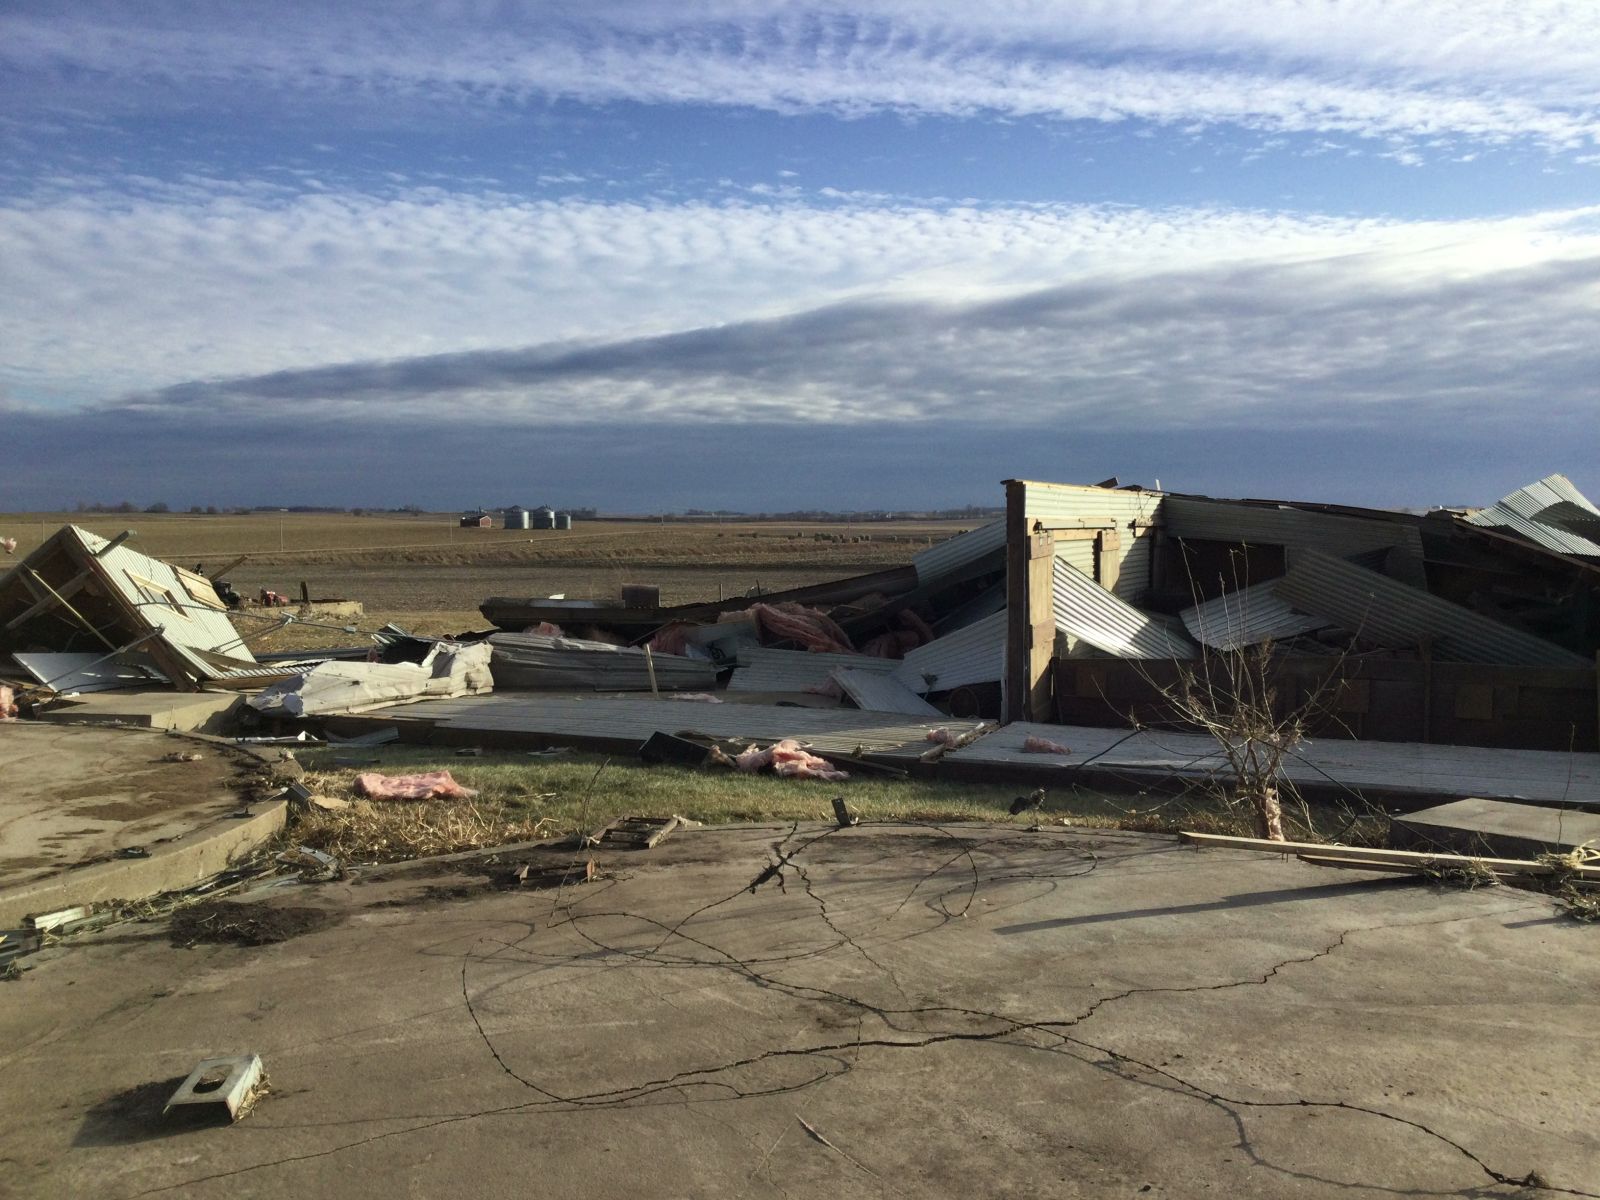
[
  {"x": 1408, "y": 69},
  {"x": 129, "y": 292}
]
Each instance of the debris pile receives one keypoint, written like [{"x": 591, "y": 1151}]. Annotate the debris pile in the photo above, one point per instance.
[
  {"x": 1085, "y": 605},
  {"x": 83, "y": 613}
]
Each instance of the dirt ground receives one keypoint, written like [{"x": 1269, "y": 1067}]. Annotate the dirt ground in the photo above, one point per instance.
[
  {"x": 333, "y": 539},
  {"x": 423, "y": 587},
  {"x": 430, "y": 576}
]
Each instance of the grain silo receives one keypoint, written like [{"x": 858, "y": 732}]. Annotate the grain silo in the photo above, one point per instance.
[
  {"x": 544, "y": 518},
  {"x": 563, "y": 520},
  {"x": 516, "y": 517}
]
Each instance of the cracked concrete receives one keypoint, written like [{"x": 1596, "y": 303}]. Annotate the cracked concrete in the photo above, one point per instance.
[{"x": 873, "y": 1011}]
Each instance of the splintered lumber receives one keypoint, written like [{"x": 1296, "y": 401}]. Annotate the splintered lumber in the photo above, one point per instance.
[
  {"x": 639, "y": 833},
  {"x": 216, "y": 575},
  {"x": 1359, "y": 857}
]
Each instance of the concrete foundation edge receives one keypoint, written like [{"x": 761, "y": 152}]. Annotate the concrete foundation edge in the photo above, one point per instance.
[{"x": 178, "y": 865}]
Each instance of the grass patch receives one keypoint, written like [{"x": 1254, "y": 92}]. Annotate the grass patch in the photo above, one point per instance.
[{"x": 523, "y": 798}]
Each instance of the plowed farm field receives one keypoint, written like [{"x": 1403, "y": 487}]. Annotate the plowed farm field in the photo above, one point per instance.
[{"x": 429, "y": 575}]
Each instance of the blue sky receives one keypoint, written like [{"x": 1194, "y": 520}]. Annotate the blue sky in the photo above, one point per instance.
[{"x": 763, "y": 255}]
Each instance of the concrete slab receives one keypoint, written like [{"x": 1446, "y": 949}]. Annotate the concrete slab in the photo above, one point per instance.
[
  {"x": 909, "y": 1013},
  {"x": 185, "y": 712},
  {"x": 76, "y": 798},
  {"x": 1496, "y": 828},
  {"x": 623, "y": 724},
  {"x": 1394, "y": 773}
]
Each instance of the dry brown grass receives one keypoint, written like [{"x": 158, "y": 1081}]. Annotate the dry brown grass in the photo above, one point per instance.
[
  {"x": 389, "y": 831},
  {"x": 523, "y": 798}
]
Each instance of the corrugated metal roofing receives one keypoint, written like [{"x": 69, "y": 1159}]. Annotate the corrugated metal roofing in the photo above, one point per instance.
[
  {"x": 955, "y": 553},
  {"x": 976, "y": 654},
  {"x": 1129, "y": 513},
  {"x": 1387, "y": 612},
  {"x": 606, "y": 721},
  {"x": 1542, "y": 512},
  {"x": 1297, "y": 530},
  {"x": 1574, "y": 518},
  {"x": 87, "y": 672},
  {"x": 873, "y": 691},
  {"x": 762, "y": 669},
  {"x": 1078, "y": 553},
  {"x": 167, "y": 597},
  {"x": 1247, "y": 617},
  {"x": 1087, "y": 611},
  {"x": 543, "y": 662}
]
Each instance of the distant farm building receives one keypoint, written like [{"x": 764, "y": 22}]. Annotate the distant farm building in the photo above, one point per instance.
[{"x": 477, "y": 520}]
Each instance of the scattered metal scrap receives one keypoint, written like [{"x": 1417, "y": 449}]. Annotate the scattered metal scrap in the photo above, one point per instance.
[
  {"x": 109, "y": 615},
  {"x": 233, "y": 1084},
  {"x": 635, "y": 833}
]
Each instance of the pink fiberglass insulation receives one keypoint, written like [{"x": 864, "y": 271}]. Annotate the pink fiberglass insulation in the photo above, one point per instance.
[
  {"x": 430, "y": 785},
  {"x": 1033, "y": 744},
  {"x": 790, "y": 622},
  {"x": 791, "y": 760},
  {"x": 892, "y": 645},
  {"x": 672, "y": 638}
]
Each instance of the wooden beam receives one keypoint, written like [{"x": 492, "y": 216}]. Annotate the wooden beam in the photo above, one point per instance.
[
  {"x": 1017, "y": 622},
  {"x": 216, "y": 575},
  {"x": 1041, "y": 625},
  {"x": 1356, "y": 856},
  {"x": 1107, "y": 560},
  {"x": 63, "y": 602},
  {"x": 114, "y": 543},
  {"x": 51, "y": 599},
  {"x": 1030, "y": 614}
]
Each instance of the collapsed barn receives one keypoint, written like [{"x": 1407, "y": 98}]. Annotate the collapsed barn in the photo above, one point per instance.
[{"x": 1085, "y": 606}]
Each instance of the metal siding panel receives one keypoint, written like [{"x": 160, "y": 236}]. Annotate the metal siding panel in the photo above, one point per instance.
[
  {"x": 1077, "y": 553},
  {"x": 762, "y": 669},
  {"x": 1574, "y": 518},
  {"x": 1063, "y": 503},
  {"x": 73, "y": 672},
  {"x": 1527, "y": 511},
  {"x": 975, "y": 654},
  {"x": 1133, "y": 572},
  {"x": 196, "y": 627},
  {"x": 873, "y": 691},
  {"x": 1383, "y": 610},
  {"x": 1247, "y": 617},
  {"x": 1087, "y": 507},
  {"x": 1088, "y": 611},
  {"x": 1297, "y": 530},
  {"x": 531, "y": 660},
  {"x": 954, "y": 553}
]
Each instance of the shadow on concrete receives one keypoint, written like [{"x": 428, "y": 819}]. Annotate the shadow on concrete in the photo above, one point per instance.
[
  {"x": 1245, "y": 900},
  {"x": 134, "y": 1115}
]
